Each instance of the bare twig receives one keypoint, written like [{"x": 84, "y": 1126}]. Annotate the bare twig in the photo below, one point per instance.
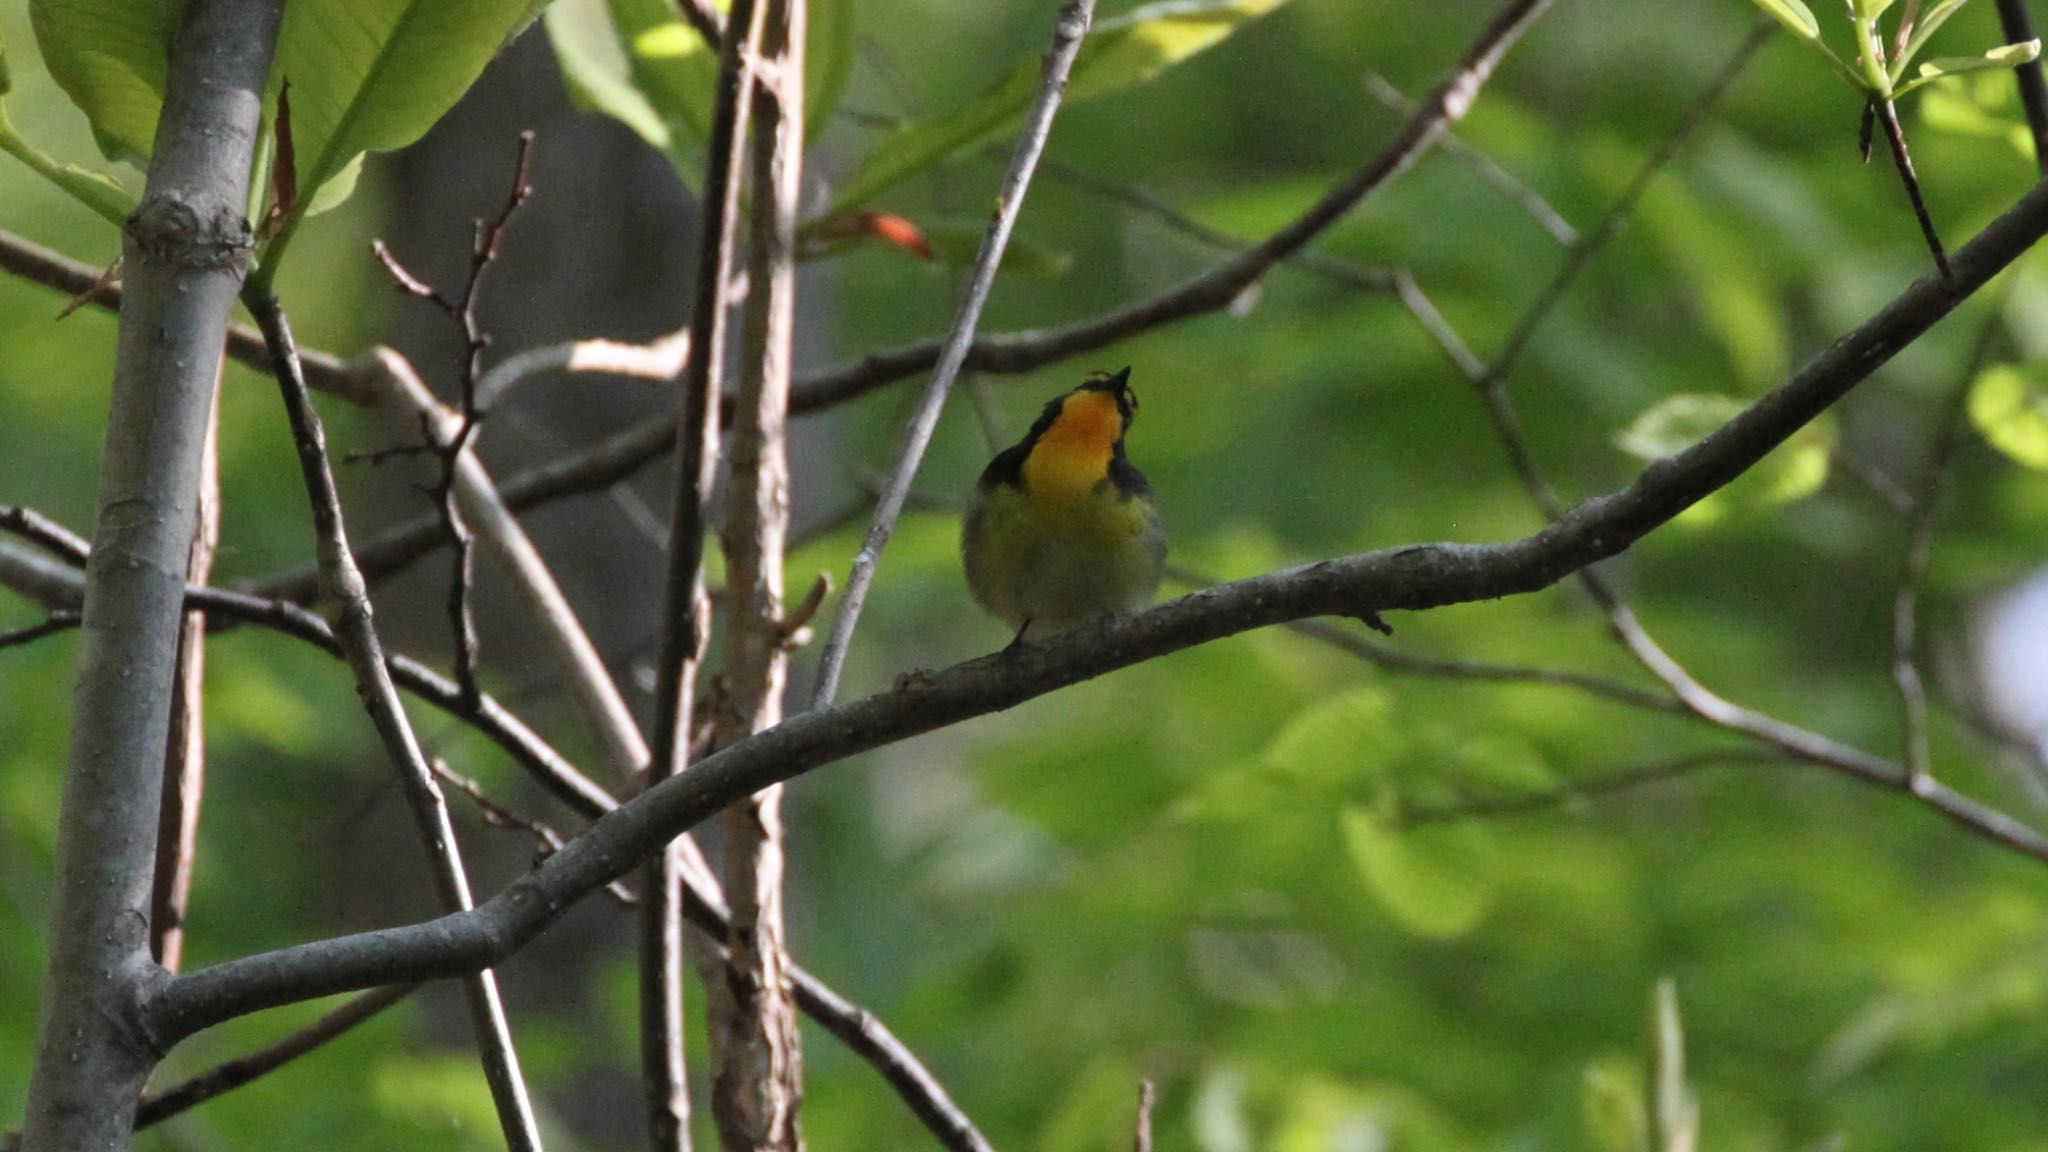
[
  {"x": 2018, "y": 26},
  {"x": 1902, "y": 159},
  {"x": 699, "y": 14},
  {"x": 54, "y": 624},
  {"x": 1920, "y": 530},
  {"x": 45, "y": 533},
  {"x": 177, "y": 832},
  {"x": 1594, "y": 241},
  {"x": 224, "y": 1078},
  {"x": 757, "y": 1090},
  {"x": 1068, "y": 31},
  {"x": 1584, "y": 789},
  {"x": 1489, "y": 169},
  {"x": 60, "y": 592},
  {"x": 1147, "y": 1096},
  {"x": 343, "y": 586},
  {"x": 685, "y": 618},
  {"x": 1410, "y": 578},
  {"x": 487, "y": 237},
  {"x": 546, "y": 841}
]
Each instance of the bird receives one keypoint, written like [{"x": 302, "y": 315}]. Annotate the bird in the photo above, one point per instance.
[{"x": 1063, "y": 531}]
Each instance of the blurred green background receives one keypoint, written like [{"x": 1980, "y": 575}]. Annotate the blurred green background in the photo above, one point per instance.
[{"x": 1184, "y": 871}]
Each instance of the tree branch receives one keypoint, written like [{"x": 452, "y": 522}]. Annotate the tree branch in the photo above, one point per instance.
[
  {"x": 185, "y": 249},
  {"x": 1068, "y": 32},
  {"x": 60, "y": 591},
  {"x": 1412, "y": 578},
  {"x": 342, "y": 585},
  {"x": 685, "y": 617},
  {"x": 757, "y": 1055}
]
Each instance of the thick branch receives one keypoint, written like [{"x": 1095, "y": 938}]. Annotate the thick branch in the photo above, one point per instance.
[
  {"x": 186, "y": 249},
  {"x": 1416, "y": 577},
  {"x": 757, "y": 1058}
]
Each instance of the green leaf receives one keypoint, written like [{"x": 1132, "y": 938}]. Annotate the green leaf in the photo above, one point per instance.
[
  {"x": 1871, "y": 9},
  {"x": 1676, "y": 423},
  {"x": 595, "y": 70},
  {"x": 1980, "y": 105},
  {"x": 2009, "y": 56},
  {"x": 1611, "y": 1099},
  {"x": 675, "y": 70},
  {"x": 373, "y": 75},
  {"x": 109, "y": 57},
  {"x": 1795, "y": 470},
  {"x": 2009, "y": 405},
  {"x": 1438, "y": 882},
  {"x": 1794, "y": 15},
  {"x": 1930, "y": 22},
  {"x": 1332, "y": 738},
  {"x": 1119, "y": 54},
  {"x": 96, "y": 190},
  {"x": 831, "y": 44}
]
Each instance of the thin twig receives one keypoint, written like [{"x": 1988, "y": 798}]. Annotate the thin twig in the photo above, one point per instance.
[
  {"x": 699, "y": 14},
  {"x": 1594, "y": 241},
  {"x": 1147, "y": 1096},
  {"x": 226, "y": 1077},
  {"x": 45, "y": 533},
  {"x": 53, "y": 624},
  {"x": 685, "y": 616},
  {"x": 1583, "y": 789},
  {"x": 858, "y": 1028},
  {"x": 343, "y": 586},
  {"x": 1411, "y": 578},
  {"x": 488, "y": 236},
  {"x": 1920, "y": 530},
  {"x": 1068, "y": 31},
  {"x": 184, "y": 788},
  {"x": 1489, "y": 169},
  {"x": 546, "y": 841},
  {"x": 2018, "y": 26},
  {"x": 1902, "y": 159}
]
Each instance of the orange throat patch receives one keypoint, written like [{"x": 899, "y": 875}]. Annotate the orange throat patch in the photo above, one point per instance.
[{"x": 1073, "y": 455}]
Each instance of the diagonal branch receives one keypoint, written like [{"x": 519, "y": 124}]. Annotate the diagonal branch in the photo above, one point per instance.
[
  {"x": 1414, "y": 578},
  {"x": 343, "y": 586},
  {"x": 1068, "y": 32},
  {"x": 59, "y": 589}
]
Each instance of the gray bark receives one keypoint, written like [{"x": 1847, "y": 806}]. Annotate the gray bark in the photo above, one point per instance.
[{"x": 185, "y": 252}]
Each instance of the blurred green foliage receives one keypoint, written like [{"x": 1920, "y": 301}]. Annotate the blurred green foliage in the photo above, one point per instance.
[{"x": 1196, "y": 870}]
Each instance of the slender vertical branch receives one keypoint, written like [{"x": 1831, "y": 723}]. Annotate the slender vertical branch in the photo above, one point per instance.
[
  {"x": 1921, "y": 524},
  {"x": 2018, "y": 26},
  {"x": 185, "y": 250},
  {"x": 1902, "y": 158},
  {"x": 343, "y": 587},
  {"x": 685, "y": 624},
  {"x": 758, "y": 1086},
  {"x": 1068, "y": 32},
  {"x": 177, "y": 831}
]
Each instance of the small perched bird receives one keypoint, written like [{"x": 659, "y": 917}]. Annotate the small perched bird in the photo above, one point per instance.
[{"x": 1063, "y": 531}]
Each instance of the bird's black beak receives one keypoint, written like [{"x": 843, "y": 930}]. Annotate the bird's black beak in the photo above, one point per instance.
[{"x": 1122, "y": 379}]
